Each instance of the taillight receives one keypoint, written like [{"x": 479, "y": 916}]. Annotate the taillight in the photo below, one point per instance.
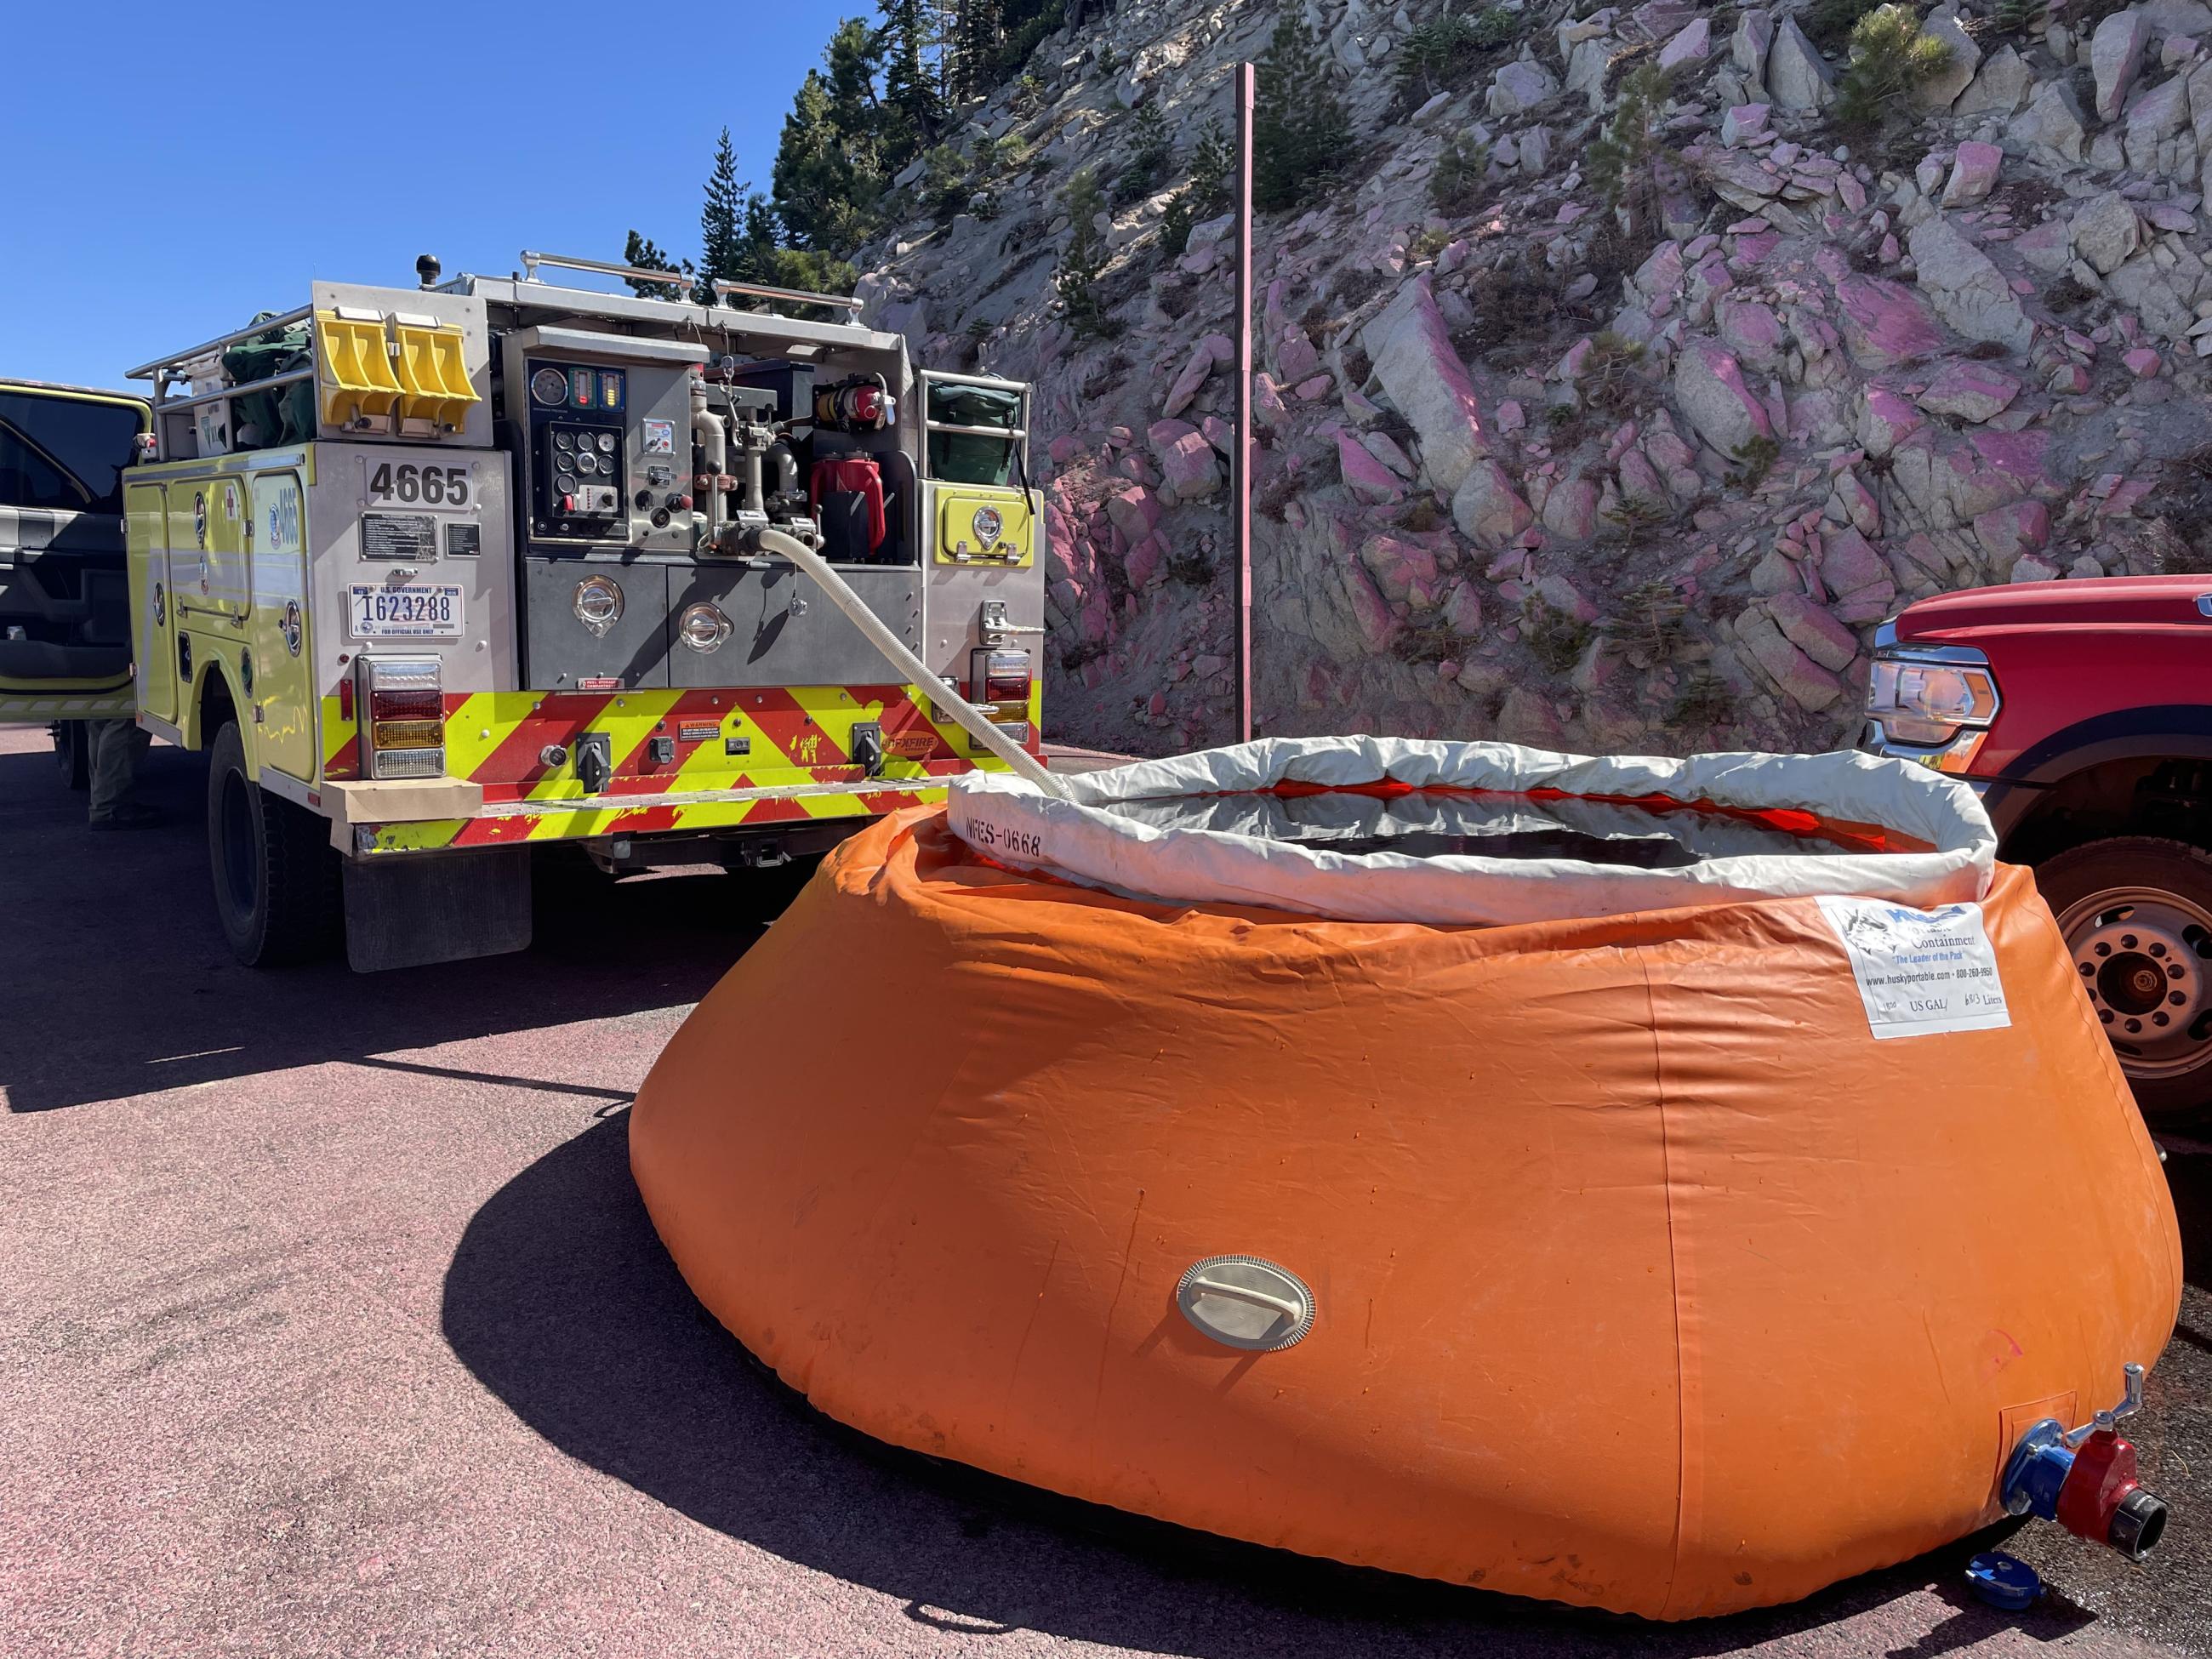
[
  {"x": 406, "y": 716},
  {"x": 1000, "y": 675}
]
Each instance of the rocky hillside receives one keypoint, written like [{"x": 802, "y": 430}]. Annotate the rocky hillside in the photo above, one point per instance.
[{"x": 1575, "y": 454}]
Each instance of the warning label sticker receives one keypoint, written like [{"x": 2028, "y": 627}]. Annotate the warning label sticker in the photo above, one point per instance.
[{"x": 1920, "y": 972}]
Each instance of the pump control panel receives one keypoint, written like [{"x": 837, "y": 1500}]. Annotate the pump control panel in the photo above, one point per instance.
[
  {"x": 582, "y": 473},
  {"x": 579, "y": 451}
]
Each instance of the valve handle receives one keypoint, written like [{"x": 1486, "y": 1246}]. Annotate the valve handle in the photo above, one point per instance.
[
  {"x": 1289, "y": 1307},
  {"x": 2107, "y": 1420}
]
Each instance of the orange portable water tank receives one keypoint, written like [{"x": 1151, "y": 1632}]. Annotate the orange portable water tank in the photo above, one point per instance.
[{"x": 1611, "y": 1259}]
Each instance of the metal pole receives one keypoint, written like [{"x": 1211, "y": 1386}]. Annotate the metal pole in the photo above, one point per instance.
[{"x": 1241, "y": 470}]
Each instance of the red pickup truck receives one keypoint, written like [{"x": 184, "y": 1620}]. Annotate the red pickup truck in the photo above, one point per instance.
[{"x": 2081, "y": 712}]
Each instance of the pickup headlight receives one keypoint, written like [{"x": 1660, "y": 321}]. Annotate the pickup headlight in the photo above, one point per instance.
[{"x": 1936, "y": 700}]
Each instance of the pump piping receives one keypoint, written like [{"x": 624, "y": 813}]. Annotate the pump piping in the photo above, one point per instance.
[
  {"x": 911, "y": 668},
  {"x": 712, "y": 436}
]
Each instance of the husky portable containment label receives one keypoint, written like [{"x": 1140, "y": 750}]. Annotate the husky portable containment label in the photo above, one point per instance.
[{"x": 1919, "y": 972}]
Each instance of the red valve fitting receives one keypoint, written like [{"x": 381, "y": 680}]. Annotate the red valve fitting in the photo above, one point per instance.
[{"x": 2103, "y": 1501}]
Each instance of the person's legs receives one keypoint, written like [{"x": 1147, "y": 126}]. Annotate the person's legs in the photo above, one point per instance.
[{"x": 116, "y": 747}]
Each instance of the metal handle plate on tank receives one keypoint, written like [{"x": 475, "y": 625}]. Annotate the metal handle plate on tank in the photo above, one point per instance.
[{"x": 1243, "y": 1302}]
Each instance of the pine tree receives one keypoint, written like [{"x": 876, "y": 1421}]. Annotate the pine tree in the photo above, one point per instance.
[
  {"x": 721, "y": 225},
  {"x": 1621, "y": 160},
  {"x": 644, "y": 254},
  {"x": 828, "y": 175},
  {"x": 1077, "y": 278},
  {"x": 909, "y": 37},
  {"x": 1299, "y": 129},
  {"x": 976, "y": 37},
  {"x": 1149, "y": 148}
]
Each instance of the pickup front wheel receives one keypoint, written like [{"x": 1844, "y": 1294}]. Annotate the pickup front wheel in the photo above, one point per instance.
[{"x": 2136, "y": 915}]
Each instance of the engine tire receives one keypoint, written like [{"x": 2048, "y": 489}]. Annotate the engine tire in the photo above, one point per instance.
[
  {"x": 276, "y": 874},
  {"x": 72, "y": 755},
  {"x": 2137, "y": 915}
]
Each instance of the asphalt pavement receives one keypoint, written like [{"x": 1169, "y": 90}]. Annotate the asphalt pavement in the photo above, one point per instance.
[{"x": 331, "y": 1323}]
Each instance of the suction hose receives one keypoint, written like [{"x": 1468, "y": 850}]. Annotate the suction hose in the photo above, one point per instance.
[{"x": 911, "y": 668}]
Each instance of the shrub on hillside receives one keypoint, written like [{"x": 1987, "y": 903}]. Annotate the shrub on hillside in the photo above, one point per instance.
[{"x": 1890, "y": 59}]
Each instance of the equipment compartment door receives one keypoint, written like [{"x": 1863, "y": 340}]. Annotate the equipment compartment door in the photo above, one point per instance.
[
  {"x": 153, "y": 606},
  {"x": 283, "y": 704},
  {"x": 783, "y": 630},
  {"x": 208, "y": 527}
]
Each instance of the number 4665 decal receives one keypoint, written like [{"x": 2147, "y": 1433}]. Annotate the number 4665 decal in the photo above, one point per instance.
[{"x": 433, "y": 486}]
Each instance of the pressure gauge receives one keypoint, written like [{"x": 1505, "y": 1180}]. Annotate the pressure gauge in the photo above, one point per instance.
[
  {"x": 586, "y": 464},
  {"x": 564, "y": 440},
  {"x": 549, "y": 386},
  {"x": 565, "y": 482},
  {"x": 606, "y": 443}
]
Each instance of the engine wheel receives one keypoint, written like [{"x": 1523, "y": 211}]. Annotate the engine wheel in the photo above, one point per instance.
[
  {"x": 72, "y": 755},
  {"x": 2136, "y": 915},
  {"x": 276, "y": 874}
]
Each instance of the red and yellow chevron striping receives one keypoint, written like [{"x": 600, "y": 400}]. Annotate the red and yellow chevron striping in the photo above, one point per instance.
[{"x": 793, "y": 745}]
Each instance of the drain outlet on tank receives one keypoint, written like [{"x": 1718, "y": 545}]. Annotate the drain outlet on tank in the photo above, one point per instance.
[{"x": 2085, "y": 1479}]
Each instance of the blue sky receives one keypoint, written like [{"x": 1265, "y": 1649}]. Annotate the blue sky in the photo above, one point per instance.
[{"x": 168, "y": 175}]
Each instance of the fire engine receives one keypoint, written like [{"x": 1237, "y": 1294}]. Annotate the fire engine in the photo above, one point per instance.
[{"x": 438, "y": 575}]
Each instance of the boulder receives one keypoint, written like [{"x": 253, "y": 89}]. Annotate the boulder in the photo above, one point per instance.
[
  {"x": 1487, "y": 509},
  {"x": 1973, "y": 174},
  {"x": 1966, "y": 290},
  {"x": 2171, "y": 17},
  {"x": 1463, "y": 609},
  {"x": 1797, "y": 76},
  {"x": 2006, "y": 532},
  {"x": 1213, "y": 349},
  {"x": 2051, "y": 127},
  {"x": 1795, "y": 675},
  {"x": 1414, "y": 360},
  {"x": 1808, "y": 626},
  {"x": 1885, "y": 324},
  {"x": 1775, "y": 573},
  {"x": 1365, "y": 478},
  {"x": 1188, "y": 469},
  {"x": 2106, "y": 231},
  {"x": 1751, "y": 330},
  {"x": 1710, "y": 391},
  {"x": 1399, "y": 567},
  {"x": 1570, "y": 510},
  {"x": 1940, "y": 91},
  {"x": 2116, "y": 53},
  {"x": 1744, "y": 123},
  {"x": 2153, "y": 116},
  {"x": 1971, "y": 390},
  {"x": 2048, "y": 246},
  {"x": 1520, "y": 86},
  {"x": 1692, "y": 45},
  {"x": 1134, "y": 511},
  {"x": 1752, "y": 40},
  {"x": 1850, "y": 565},
  {"x": 1378, "y": 624},
  {"x": 2000, "y": 87}
]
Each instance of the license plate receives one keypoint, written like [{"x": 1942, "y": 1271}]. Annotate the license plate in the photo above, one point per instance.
[{"x": 416, "y": 610}]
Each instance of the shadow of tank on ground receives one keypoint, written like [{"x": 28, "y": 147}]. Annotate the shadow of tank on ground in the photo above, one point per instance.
[
  {"x": 563, "y": 1303},
  {"x": 603, "y": 948}
]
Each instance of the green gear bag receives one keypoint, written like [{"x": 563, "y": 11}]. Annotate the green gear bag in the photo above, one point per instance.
[{"x": 284, "y": 415}]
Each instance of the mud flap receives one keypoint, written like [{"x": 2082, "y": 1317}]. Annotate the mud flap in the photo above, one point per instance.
[{"x": 409, "y": 912}]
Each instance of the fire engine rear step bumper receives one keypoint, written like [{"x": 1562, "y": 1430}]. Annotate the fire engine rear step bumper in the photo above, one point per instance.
[{"x": 525, "y": 809}]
